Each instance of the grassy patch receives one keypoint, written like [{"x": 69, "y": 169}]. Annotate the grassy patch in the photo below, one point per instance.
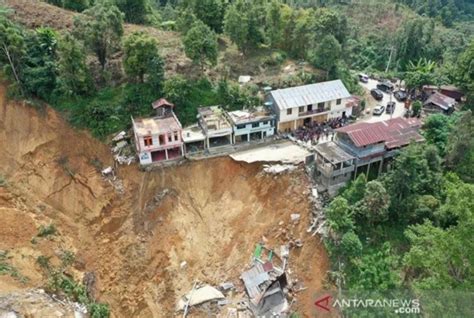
[
  {"x": 7, "y": 269},
  {"x": 60, "y": 283},
  {"x": 3, "y": 181}
]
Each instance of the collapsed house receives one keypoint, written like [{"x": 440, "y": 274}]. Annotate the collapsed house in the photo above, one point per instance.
[
  {"x": 254, "y": 124},
  {"x": 217, "y": 129},
  {"x": 265, "y": 283},
  {"x": 158, "y": 138},
  {"x": 359, "y": 146}
]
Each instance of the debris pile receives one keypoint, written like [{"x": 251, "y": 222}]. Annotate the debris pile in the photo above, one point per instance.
[
  {"x": 198, "y": 295},
  {"x": 122, "y": 149},
  {"x": 109, "y": 175},
  {"x": 318, "y": 224},
  {"x": 278, "y": 169},
  {"x": 266, "y": 282}
]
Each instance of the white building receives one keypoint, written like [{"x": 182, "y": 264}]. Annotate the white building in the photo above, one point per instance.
[
  {"x": 255, "y": 124},
  {"x": 297, "y": 106}
]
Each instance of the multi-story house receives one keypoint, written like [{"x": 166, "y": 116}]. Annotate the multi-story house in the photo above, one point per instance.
[
  {"x": 360, "y": 147},
  {"x": 216, "y": 127},
  {"x": 254, "y": 124},
  {"x": 158, "y": 138},
  {"x": 301, "y": 105}
]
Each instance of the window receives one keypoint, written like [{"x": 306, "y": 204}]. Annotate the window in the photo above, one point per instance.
[
  {"x": 310, "y": 108},
  {"x": 148, "y": 141},
  {"x": 240, "y": 126},
  {"x": 338, "y": 101},
  {"x": 176, "y": 136},
  {"x": 170, "y": 138},
  {"x": 255, "y": 125},
  {"x": 265, "y": 123},
  {"x": 288, "y": 111},
  {"x": 162, "y": 139},
  {"x": 321, "y": 106},
  {"x": 301, "y": 109}
]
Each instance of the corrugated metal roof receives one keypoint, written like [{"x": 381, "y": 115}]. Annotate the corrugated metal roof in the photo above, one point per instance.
[
  {"x": 394, "y": 133},
  {"x": 309, "y": 94},
  {"x": 440, "y": 100}
]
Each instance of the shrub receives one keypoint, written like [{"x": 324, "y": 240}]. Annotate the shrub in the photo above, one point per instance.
[{"x": 47, "y": 230}]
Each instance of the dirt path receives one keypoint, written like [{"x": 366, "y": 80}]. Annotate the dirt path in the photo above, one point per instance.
[{"x": 209, "y": 213}]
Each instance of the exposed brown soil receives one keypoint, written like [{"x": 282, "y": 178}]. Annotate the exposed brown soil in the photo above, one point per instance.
[{"x": 214, "y": 213}]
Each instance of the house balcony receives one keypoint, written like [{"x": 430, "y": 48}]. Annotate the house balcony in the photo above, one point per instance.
[
  {"x": 329, "y": 170},
  {"x": 314, "y": 112}
]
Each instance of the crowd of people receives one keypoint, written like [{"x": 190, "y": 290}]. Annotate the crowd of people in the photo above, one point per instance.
[{"x": 314, "y": 131}]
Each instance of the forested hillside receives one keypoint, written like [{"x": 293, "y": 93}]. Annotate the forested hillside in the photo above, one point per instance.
[
  {"x": 192, "y": 52},
  {"x": 99, "y": 62}
]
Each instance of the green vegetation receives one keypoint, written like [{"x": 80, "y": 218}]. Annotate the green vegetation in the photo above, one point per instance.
[
  {"x": 410, "y": 229},
  {"x": 60, "y": 283},
  {"x": 3, "y": 181},
  {"x": 45, "y": 231},
  {"x": 7, "y": 269},
  {"x": 200, "y": 44}
]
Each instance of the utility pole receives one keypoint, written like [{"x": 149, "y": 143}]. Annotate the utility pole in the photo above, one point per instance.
[{"x": 389, "y": 58}]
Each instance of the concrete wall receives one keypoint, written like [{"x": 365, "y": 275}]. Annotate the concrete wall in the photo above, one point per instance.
[{"x": 345, "y": 143}]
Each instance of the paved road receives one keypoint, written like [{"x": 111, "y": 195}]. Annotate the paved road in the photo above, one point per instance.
[{"x": 371, "y": 103}]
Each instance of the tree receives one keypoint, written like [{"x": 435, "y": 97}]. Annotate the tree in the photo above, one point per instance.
[
  {"x": 274, "y": 23},
  {"x": 460, "y": 147},
  {"x": 73, "y": 77},
  {"x": 211, "y": 12},
  {"x": 135, "y": 10},
  {"x": 326, "y": 54},
  {"x": 436, "y": 130},
  {"x": 101, "y": 28},
  {"x": 413, "y": 39},
  {"x": 410, "y": 177},
  {"x": 374, "y": 205},
  {"x": 12, "y": 48},
  {"x": 355, "y": 191},
  {"x": 419, "y": 74},
  {"x": 185, "y": 20},
  {"x": 416, "y": 107},
  {"x": 140, "y": 51},
  {"x": 350, "y": 244},
  {"x": 376, "y": 270},
  {"x": 328, "y": 22},
  {"x": 200, "y": 44},
  {"x": 236, "y": 25},
  {"x": 39, "y": 70},
  {"x": 339, "y": 215},
  {"x": 464, "y": 74}
]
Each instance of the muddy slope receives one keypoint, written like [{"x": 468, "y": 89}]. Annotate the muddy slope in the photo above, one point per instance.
[{"x": 208, "y": 213}]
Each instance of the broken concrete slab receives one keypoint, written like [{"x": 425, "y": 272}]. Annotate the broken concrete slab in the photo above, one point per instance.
[
  {"x": 277, "y": 169},
  {"x": 199, "y": 296},
  {"x": 285, "y": 152}
]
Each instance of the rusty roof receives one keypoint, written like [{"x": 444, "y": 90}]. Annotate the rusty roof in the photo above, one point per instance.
[
  {"x": 161, "y": 102},
  {"x": 394, "y": 132}
]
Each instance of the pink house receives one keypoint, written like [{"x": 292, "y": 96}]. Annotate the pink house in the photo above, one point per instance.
[{"x": 158, "y": 138}]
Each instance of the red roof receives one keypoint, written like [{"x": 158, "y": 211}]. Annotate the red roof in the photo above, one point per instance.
[
  {"x": 394, "y": 132},
  {"x": 161, "y": 102}
]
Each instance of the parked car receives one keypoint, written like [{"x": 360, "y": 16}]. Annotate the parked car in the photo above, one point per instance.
[
  {"x": 364, "y": 78},
  {"x": 378, "y": 110},
  {"x": 390, "y": 107},
  {"x": 376, "y": 93},
  {"x": 401, "y": 96},
  {"x": 385, "y": 86}
]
